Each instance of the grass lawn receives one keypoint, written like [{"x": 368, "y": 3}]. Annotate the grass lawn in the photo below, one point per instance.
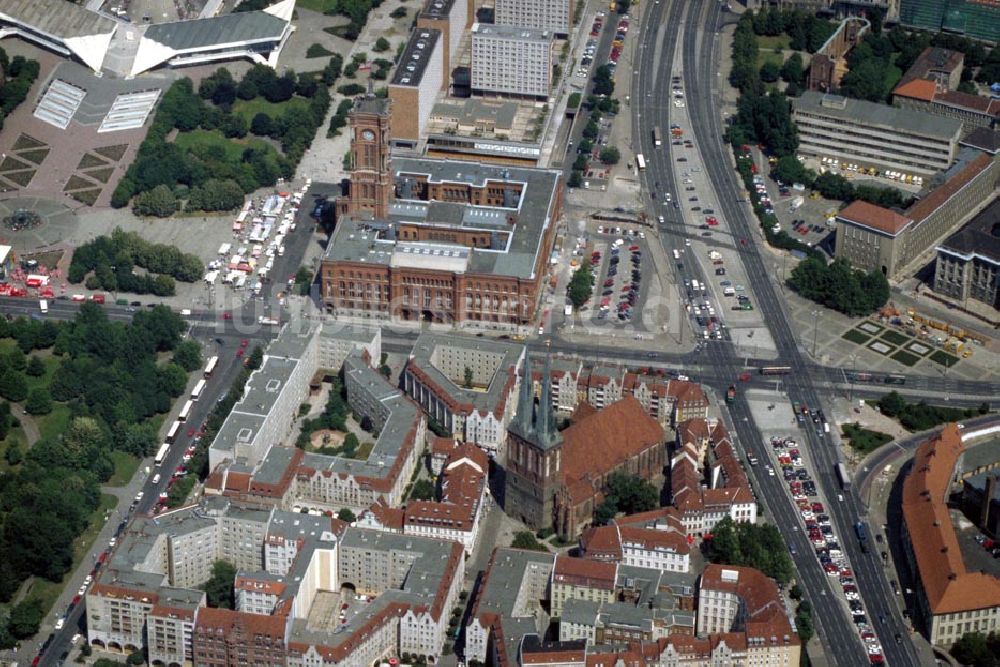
[
  {"x": 943, "y": 358},
  {"x": 250, "y": 108},
  {"x": 316, "y": 5},
  {"x": 125, "y": 467},
  {"x": 864, "y": 440},
  {"x": 233, "y": 147},
  {"x": 894, "y": 337},
  {"x": 54, "y": 423},
  {"x": 769, "y": 56},
  {"x": 856, "y": 336},
  {"x": 768, "y": 43},
  {"x": 48, "y": 591},
  {"x": 905, "y": 358}
]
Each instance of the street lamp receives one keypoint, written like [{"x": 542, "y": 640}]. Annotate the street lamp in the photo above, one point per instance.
[{"x": 815, "y": 315}]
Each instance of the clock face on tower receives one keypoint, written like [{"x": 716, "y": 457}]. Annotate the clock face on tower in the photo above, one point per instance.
[{"x": 367, "y": 135}]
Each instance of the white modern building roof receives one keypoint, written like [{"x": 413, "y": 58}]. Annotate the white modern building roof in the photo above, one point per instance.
[
  {"x": 71, "y": 30},
  {"x": 61, "y": 26},
  {"x": 257, "y": 35}
]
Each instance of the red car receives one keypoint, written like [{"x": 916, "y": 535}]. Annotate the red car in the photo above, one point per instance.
[
  {"x": 817, "y": 507},
  {"x": 609, "y": 282},
  {"x": 244, "y": 342},
  {"x": 227, "y": 316},
  {"x": 712, "y": 220},
  {"x": 743, "y": 241},
  {"x": 239, "y": 353},
  {"x": 633, "y": 248},
  {"x": 191, "y": 432}
]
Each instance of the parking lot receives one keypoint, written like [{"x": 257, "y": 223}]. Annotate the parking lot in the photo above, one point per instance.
[
  {"x": 781, "y": 425},
  {"x": 618, "y": 285}
]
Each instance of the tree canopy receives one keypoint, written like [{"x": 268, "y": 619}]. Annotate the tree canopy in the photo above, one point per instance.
[
  {"x": 976, "y": 648},
  {"x": 840, "y": 287},
  {"x": 219, "y": 588},
  {"x": 750, "y": 545},
  {"x": 107, "y": 262},
  {"x": 581, "y": 285}
]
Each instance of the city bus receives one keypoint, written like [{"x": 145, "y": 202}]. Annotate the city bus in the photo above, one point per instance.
[
  {"x": 162, "y": 454},
  {"x": 198, "y": 388},
  {"x": 640, "y": 161},
  {"x": 775, "y": 370},
  {"x": 843, "y": 476},
  {"x": 185, "y": 411},
  {"x": 172, "y": 433},
  {"x": 894, "y": 379},
  {"x": 657, "y": 140},
  {"x": 210, "y": 366}
]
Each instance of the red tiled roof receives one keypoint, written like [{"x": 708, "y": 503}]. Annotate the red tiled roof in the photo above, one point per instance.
[
  {"x": 921, "y": 89},
  {"x": 581, "y": 571},
  {"x": 948, "y": 586},
  {"x": 257, "y": 585},
  {"x": 600, "y": 442},
  {"x": 601, "y": 543},
  {"x": 211, "y": 620},
  {"x": 923, "y": 208},
  {"x": 978, "y": 103},
  {"x": 765, "y": 612},
  {"x": 877, "y": 218}
]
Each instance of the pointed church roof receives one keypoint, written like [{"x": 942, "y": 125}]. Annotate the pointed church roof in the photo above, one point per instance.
[{"x": 536, "y": 426}]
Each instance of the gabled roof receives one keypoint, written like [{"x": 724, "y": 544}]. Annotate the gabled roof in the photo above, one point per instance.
[
  {"x": 874, "y": 217},
  {"x": 948, "y": 586},
  {"x": 920, "y": 89}
]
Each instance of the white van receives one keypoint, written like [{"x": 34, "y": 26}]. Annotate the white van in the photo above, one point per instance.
[
  {"x": 729, "y": 291},
  {"x": 156, "y": 478},
  {"x": 43, "y": 305}
]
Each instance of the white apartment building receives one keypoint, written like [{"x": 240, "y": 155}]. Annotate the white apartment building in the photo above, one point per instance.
[
  {"x": 508, "y": 60},
  {"x": 552, "y": 15}
]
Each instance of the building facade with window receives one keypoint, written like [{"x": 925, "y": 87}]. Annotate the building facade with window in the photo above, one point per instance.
[{"x": 511, "y": 60}]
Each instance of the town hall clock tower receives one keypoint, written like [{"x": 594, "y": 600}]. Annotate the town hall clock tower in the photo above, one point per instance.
[{"x": 371, "y": 189}]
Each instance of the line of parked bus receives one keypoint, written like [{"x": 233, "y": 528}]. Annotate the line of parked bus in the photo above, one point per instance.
[{"x": 185, "y": 412}]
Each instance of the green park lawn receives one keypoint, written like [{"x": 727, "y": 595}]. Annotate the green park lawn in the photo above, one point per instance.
[
  {"x": 316, "y": 5},
  {"x": 943, "y": 358},
  {"x": 894, "y": 337},
  {"x": 250, "y": 108},
  {"x": 905, "y": 358},
  {"x": 769, "y": 56},
  {"x": 768, "y": 43},
  {"x": 233, "y": 148},
  {"x": 856, "y": 336},
  {"x": 125, "y": 467}
]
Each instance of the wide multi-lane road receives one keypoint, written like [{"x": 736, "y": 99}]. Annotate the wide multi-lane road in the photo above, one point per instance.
[{"x": 696, "y": 24}]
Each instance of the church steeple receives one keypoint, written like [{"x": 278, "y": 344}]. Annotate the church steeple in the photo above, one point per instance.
[
  {"x": 536, "y": 425},
  {"x": 545, "y": 426}
]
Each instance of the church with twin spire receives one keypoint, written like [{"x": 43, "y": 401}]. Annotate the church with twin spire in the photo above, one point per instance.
[{"x": 556, "y": 479}]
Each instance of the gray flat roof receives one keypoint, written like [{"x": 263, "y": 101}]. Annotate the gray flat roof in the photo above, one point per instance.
[
  {"x": 473, "y": 109},
  {"x": 412, "y": 65},
  {"x": 362, "y": 241},
  {"x": 883, "y": 116},
  {"x": 980, "y": 237},
  {"x": 512, "y": 32},
  {"x": 58, "y": 18},
  {"x": 437, "y": 9},
  {"x": 226, "y": 29},
  {"x": 509, "y": 354}
]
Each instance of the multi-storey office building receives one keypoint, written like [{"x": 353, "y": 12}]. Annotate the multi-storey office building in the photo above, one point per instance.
[
  {"x": 968, "y": 261},
  {"x": 555, "y": 16},
  {"x": 511, "y": 60},
  {"x": 874, "y": 135}
]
